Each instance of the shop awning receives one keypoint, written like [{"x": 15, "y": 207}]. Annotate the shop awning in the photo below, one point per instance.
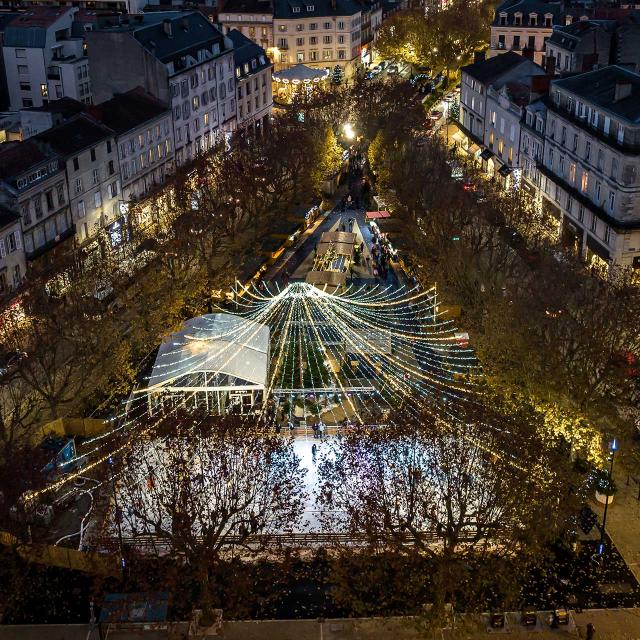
[
  {"x": 504, "y": 170},
  {"x": 376, "y": 215},
  {"x": 486, "y": 154},
  {"x": 597, "y": 248},
  {"x": 473, "y": 149}
]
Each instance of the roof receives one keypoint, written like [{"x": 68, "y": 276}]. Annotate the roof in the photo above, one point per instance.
[
  {"x": 74, "y": 135},
  {"x": 525, "y": 7},
  {"x": 129, "y": 110},
  {"x": 569, "y": 36},
  {"x": 215, "y": 343},
  {"x": 17, "y": 158},
  {"x": 247, "y": 6},
  {"x": 284, "y": 9},
  {"x": 487, "y": 71},
  {"x": 598, "y": 87},
  {"x": 66, "y": 107},
  {"x": 300, "y": 73},
  {"x": 245, "y": 50},
  {"x": 190, "y": 32},
  {"x": 338, "y": 236},
  {"x": 5, "y": 20},
  {"x": 7, "y": 216},
  {"x": 29, "y": 29}
]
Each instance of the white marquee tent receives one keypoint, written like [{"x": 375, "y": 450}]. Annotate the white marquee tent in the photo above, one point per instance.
[{"x": 217, "y": 362}]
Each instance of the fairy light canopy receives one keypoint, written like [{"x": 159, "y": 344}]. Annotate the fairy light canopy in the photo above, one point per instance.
[{"x": 300, "y": 74}]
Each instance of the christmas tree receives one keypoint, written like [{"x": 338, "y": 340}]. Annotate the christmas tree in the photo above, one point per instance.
[{"x": 337, "y": 76}]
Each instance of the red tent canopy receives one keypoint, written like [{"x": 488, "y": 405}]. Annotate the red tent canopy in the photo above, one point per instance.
[{"x": 376, "y": 215}]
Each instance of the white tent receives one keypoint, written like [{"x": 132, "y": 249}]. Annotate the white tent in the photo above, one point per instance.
[{"x": 216, "y": 362}]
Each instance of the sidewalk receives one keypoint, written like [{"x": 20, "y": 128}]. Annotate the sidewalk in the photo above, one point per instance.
[{"x": 623, "y": 521}]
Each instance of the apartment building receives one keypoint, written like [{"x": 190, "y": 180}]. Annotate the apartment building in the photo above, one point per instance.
[
  {"x": 143, "y": 134},
  {"x": 45, "y": 57},
  {"x": 591, "y": 164},
  {"x": 524, "y": 26},
  {"x": 505, "y": 108},
  {"x": 532, "y": 145},
  {"x": 318, "y": 33},
  {"x": 34, "y": 188},
  {"x": 35, "y": 120},
  {"x": 12, "y": 259},
  {"x": 253, "y": 83},
  {"x": 476, "y": 79},
  {"x": 180, "y": 58},
  {"x": 88, "y": 150},
  {"x": 252, "y": 18}
]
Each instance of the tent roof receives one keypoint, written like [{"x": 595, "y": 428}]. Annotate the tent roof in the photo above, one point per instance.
[
  {"x": 376, "y": 215},
  {"x": 338, "y": 236},
  {"x": 216, "y": 343},
  {"x": 300, "y": 73},
  {"x": 341, "y": 248}
]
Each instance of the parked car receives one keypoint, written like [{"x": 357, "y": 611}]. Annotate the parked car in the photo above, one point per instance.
[
  {"x": 392, "y": 69},
  {"x": 436, "y": 114}
]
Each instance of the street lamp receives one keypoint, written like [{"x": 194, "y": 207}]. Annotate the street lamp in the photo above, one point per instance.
[
  {"x": 613, "y": 448},
  {"x": 348, "y": 131}
]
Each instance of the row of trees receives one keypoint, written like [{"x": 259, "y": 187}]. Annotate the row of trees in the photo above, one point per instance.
[
  {"x": 546, "y": 329},
  {"x": 483, "y": 487}
]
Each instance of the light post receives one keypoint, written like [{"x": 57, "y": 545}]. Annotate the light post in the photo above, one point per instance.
[{"x": 613, "y": 448}]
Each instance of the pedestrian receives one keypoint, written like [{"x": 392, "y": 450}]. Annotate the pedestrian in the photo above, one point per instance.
[
  {"x": 315, "y": 430},
  {"x": 362, "y": 247},
  {"x": 591, "y": 631},
  {"x": 314, "y": 451},
  {"x": 278, "y": 427},
  {"x": 321, "y": 429},
  {"x": 290, "y": 427}
]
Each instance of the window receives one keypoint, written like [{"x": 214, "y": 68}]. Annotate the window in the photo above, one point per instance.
[
  {"x": 313, "y": 56},
  {"x": 23, "y": 69},
  {"x": 81, "y": 210},
  {"x": 95, "y": 175},
  {"x": 501, "y": 41},
  {"x": 48, "y": 196},
  {"x": 563, "y": 136},
  {"x": 97, "y": 198},
  {"x": 12, "y": 242},
  {"x": 282, "y": 27},
  {"x": 37, "y": 206},
  {"x": 27, "y": 102},
  {"x": 108, "y": 146},
  {"x": 313, "y": 40},
  {"x": 60, "y": 190},
  {"x": 111, "y": 168},
  {"x": 572, "y": 173},
  {"x": 44, "y": 90},
  {"x": 597, "y": 193},
  {"x": 78, "y": 185},
  {"x": 585, "y": 182},
  {"x": 193, "y": 80},
  {"x": 607, "y": 234},
  {"x": 581, "y": 213},
  {"x": 213, "y": 94},
  {"x": 313, "y": 26},
  {"x": 300, "y": 56},
  {"x": 300, "y": 42},
  {"x": 300, "y": 27},
  {"x": 113, "y": 189},
  {"x": 327, "y": 25},
  {"x": 340, "y": 39},
  {"x": 607, "y": 124},
  {"x": 195, "y": 103},
  {"x": 76, "y": 164},
  {"x": 587, "y": 150},
  {"x": 516, "y": 42},
  {"x": 612, "y": 201},
  {"x": 341, "y": 25},
  {"x": 21, "y": 53},
  {"x": 575, "y": 142},
  {"x": 500, "y": 145},
  {"x": 206, "y": 120},
  {"x": 620, "y": 134},
  {"x": 296, "y": 10},
  {"x": 326, "y": 39},
  {"x": 310, "y": 7},
  {"x": 342, "y": 54},
  {"x": 326, "y": 54},
  {"x": 594, "y": 222},
  {"x": 614, "y": 168}
]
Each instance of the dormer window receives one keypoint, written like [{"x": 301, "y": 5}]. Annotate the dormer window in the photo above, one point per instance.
[
  {"x": 503, "y": 19},
  {"x": 547, "y": 20},
  {"x": 533, "y": 19},
  {"x": 517, "y": 19},
  {"x": 310, "y": 8},
  {"x": 296, "y": 9}
]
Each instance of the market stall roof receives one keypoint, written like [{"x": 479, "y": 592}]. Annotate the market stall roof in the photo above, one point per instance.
[
  {"x": 300, "y": 73},
  {"x": 338, "y": 236},
  {"x": 340, "y": 248},
  {"x": 330, "y": 278},
  {"x": 376, "y": 215},
  {"x": 214, "y": 343},
  {"x": 147, "y": 606}
]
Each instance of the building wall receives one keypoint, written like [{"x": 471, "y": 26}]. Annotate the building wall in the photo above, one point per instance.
[
  {"x": 118, "y": 63},
  {"x": 258, "y": 27},
  {"x": 203, "y": 105},
  {"x": 627, "y": 40},
  {"x": 94, "y": 197},
  {"x": 12, "y": 259},
  {"x": 516, "y": 38},
  {"x": 299, "y": 41},
  {"x": 146, "y": 156},
  {"x": 606, "y": 177},
  {"x": 255, "y": 99},
  {"x": 581, "y": 59},
  {"x": 502, "y": 129}
]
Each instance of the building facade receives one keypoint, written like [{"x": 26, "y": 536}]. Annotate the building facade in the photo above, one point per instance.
[
  {"x": 252, "y": 18},
  {"x": 34, "y": 188},
  {"x": 524, "y": 26},
  {"x": 88, "y": 150},
  {"x": 12, "y": 259},
  {"x": 181, "y": 59},
  {"x": 591, "y": 164},
  {"x": 253, "y": 83},
  {"x": 35, "y": 120},
  {"x": 44, "y": 58}
]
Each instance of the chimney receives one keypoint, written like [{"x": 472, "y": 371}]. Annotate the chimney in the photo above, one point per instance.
[
  {"x": 550, "y": 65},
  {"x": 540, "y": 84},
  {"x": 185, "y": 23},
  {"x": 623, "y": 90},
  {"x": 166, "y": 25},
  {"x": 478, "y": 56},
  {"x": 333, "y": 5}
]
